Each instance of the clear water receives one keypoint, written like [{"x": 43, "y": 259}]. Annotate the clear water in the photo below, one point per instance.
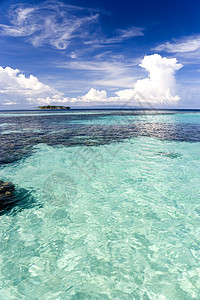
[{"x": 113, "y": 206}]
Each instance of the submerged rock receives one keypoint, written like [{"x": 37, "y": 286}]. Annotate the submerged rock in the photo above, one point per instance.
[
  {"x": 6, "y": 188},
  {"x": 7, "y": 194},
  {"x": 170, "y": 155},
  {"x": 13, "y": 198}
]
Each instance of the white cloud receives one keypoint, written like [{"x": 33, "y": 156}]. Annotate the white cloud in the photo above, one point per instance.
[
  {"x": 94, "y": 95},
  {"x": 50, "y": 22},
  {"x": 158, "y": 88},
  {"x": 121, "y": 35},
  {"x": 11, "y": 80},
  {"x": 60, "y": 25},
  {"x": 186, "y": 44},
  {"x": 10, "y": 103},
  {"x": 73, "y": 55},
  {"x": 126, "y": 95},
  {"x": 111, "y": 73},
  {"x": 130, "y": 32},
  {"x": 15, "y": 85}
]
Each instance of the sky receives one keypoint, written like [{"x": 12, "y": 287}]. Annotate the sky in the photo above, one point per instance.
[{"x": 100, "y": 53}]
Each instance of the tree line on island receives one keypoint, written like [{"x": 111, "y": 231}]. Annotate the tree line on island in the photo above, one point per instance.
[{"x": 53, "y": 107}]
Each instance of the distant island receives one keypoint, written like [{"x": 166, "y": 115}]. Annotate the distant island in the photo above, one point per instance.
[{"x": 54, "y": 107}]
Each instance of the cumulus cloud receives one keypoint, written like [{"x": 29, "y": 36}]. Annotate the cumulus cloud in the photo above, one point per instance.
[
  {"x": 94, "y": 95},
  {"x": 11, "y": 80},
  {"x": 15, "y": 85},
  {"x": 158, "y": 88},
  {"x": 59, "y": 24}
]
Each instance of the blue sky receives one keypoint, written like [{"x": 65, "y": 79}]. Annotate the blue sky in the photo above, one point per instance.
[{"x": 98, "y": 53}]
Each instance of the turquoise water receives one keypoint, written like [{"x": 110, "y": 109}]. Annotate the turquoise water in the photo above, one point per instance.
[{"x": 117, "y": 220}]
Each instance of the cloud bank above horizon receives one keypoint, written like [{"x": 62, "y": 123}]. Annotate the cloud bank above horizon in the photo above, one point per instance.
[
  {"x": 99, "y": 53},
  {"x": 158, "y": 88}
]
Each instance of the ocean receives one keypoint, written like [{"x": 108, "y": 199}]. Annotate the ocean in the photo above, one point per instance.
[{"x": 106, "y": 204}]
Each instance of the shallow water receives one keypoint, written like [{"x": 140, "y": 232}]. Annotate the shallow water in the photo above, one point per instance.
[{"x": 114, "y": 211}]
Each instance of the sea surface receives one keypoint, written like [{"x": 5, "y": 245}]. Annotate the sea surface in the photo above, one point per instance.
[{"x": 106, "y": 206}]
